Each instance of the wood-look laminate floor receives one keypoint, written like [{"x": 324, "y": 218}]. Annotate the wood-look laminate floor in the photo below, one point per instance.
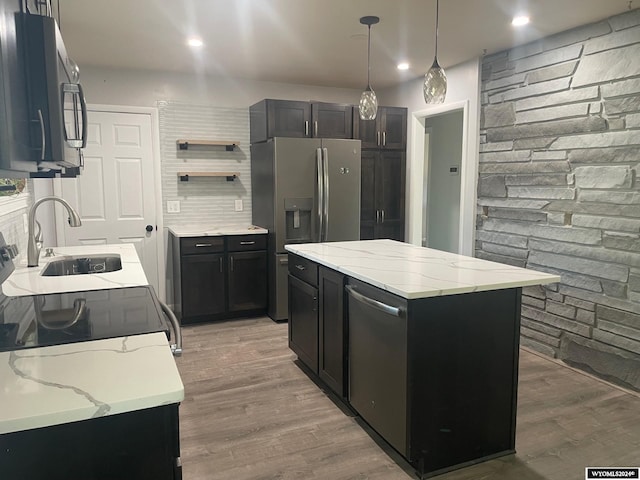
[{"x": 250, "y": 413}]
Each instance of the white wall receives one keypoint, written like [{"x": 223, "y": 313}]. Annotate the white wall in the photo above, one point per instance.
[
  {"x": 443, "y": 205},
  {"x": 145, "y": 88},
  {"x": 463, "y": 86}
]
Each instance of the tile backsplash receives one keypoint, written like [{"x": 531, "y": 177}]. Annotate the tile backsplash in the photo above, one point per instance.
[{"x": 204, "y": 200}]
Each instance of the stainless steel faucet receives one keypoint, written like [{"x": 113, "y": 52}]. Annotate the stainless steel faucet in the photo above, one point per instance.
[{"x": 33, "y": 246}]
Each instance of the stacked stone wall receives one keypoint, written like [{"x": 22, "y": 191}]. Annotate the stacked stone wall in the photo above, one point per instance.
[{"x": 558, "y": 189}]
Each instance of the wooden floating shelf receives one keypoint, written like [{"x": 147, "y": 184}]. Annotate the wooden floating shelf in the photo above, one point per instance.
[
  {"x": 229, "y": 145},
  {"x": 184, "y": 176}
]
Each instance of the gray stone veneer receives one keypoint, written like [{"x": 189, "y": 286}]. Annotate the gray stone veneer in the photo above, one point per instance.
[{"x": 558, "y": 189}]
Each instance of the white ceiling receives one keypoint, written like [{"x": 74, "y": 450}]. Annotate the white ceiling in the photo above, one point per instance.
[{"x": 314, "y": 42}]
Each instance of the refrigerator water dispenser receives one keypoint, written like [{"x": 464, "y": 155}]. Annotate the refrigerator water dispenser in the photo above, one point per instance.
[{"x": 298, "y": 219}]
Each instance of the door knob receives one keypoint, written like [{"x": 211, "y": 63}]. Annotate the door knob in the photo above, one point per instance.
[{"x": 149, "y": 228}]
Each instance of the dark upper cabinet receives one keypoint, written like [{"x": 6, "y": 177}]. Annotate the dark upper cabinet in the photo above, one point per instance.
[
  {"x": 286, "y": 118},
  {"x": 331, "y": 120},
  {"x": 387, "y": 131},
  {"x": 382, "y": 196}
]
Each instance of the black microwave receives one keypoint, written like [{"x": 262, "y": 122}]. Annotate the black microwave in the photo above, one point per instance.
[{"x": 43, "y": 114}]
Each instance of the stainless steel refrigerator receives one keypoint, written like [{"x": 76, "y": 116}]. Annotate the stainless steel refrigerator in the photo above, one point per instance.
[{"x": 303, "y": 190}]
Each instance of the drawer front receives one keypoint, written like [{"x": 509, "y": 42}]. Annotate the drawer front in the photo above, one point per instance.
[
  {"x": 239, "y": 243},
  {"x": 304, "y": 269},
  {"x": 193, "y": 245}
]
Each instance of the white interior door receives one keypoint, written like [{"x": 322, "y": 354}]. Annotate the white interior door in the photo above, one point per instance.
[{"x": 115, "y": 193}]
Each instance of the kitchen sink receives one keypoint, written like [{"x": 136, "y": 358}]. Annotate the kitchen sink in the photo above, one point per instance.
[{"x": 82, "y": 264}]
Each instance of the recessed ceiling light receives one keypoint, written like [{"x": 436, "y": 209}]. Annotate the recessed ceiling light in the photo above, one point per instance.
[
  {"x": 403, "y": 66},
  {"x": 520, "y": 20},
  {"x": 195, "y": 42}
]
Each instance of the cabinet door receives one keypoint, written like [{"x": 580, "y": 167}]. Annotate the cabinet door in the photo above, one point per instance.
[
  {"x": 367, "y": 131},
  {"x": 331, "y": 348},
  {"x": 288, "y": 119},
  {"x": 303, "y": 322},
  {"x": 393, "y": 125},
  {"x": 331, "y": 120},
  {"x": 203, "y": 289},
  {"x": 368, "y": 207},
  {"x": 390, "y": 191},
  {"x": 247, "y": 281}
]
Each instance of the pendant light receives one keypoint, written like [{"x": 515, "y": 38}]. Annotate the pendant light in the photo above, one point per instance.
[
  {"x": 435, "y": 81},
  {"x": 368, "y": 100}
]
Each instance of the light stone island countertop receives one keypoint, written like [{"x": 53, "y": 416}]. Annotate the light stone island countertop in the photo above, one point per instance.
[
  {"x": 417, "y": 272},
  {"x": 215, "y": 231},
  {"x": 28, "y": 281},
  {"x": 78, "y": 381}
]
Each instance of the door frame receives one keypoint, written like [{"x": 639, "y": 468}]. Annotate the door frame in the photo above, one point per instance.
[
  {"x": 157, "y": 176},
  {"x": 418, "y": 177}
]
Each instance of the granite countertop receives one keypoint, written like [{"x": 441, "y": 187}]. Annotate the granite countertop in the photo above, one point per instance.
[
  {"x": 417, "y": 272},
  {"x": 78, "y": 381},
  {"x": 28, "y": 281},
  {"x": 215, "y": 231}
]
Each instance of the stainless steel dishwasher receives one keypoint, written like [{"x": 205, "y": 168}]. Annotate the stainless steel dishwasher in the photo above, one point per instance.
[{"x": 378, "y": 360}]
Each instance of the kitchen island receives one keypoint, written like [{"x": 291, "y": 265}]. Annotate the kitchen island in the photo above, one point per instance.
[
  {"x": 421, "y": 344},
  {"x": 97, "y": 408}
]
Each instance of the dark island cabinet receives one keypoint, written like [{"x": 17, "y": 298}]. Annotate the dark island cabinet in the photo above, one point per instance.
[
  {"x": 138, "y": 445},
  {"x": 382, "y": 195},
  {"x": 416, "y": 371},
  {"x": 219, "y": 277},
  {"x": 332, "y": 330},
  {"x": 297, "y": 119},
  {"x": 388, "y": 131},
  {"x": 303, "y": 321},
  {"x": 316, "y": 320}
]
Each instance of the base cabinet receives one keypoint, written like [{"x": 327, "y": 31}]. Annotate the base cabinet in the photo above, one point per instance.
[
  {"x": 219, "y": 277},
  {"x": 140, "y": 445},
  {"x": 331, "y": 330},
  {"x": 316, "y": 321},
  {"x": 435, "y": 377},
  {"x": 303, "y": 321}
]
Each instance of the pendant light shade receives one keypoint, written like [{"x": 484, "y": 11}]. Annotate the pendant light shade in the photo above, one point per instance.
[
  {"x": 368, "y": 100},
  {"x": 435, "y": 81}
]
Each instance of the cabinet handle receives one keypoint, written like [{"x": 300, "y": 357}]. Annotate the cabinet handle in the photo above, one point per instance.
[
  {"x": 220, "y": 264},
  {"x": 381, "y": 216},
  {"x": 231, "y": 262},
  {"x": 377, "y": 138},
  {"x": 42, "y": 135},
  {"x": 315, "y": 128},
  {"x": 384, "y": 139},
  {"x": 377, "y": 216},
  {"x": 306, "y": 128},
  {"x": 302, "y": 268},
  {"x": 200, "y": 245},
  {"x": 388, "y": 309},
  {"x": 247, "y": 243}
]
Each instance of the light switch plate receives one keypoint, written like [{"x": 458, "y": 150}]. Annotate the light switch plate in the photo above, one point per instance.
[
  {"x": 238, "y": 205},
  {"x": 173, "y": 206}
]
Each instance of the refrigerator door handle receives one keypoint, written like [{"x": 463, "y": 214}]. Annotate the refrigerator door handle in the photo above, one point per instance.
[
  {"x": 325, "y": 195},
  {"x": 320, "y": 175}
]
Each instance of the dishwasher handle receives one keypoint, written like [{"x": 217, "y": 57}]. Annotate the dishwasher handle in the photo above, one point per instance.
[
  {"x": 388, "y": 309},
  {"x": 176, "y": 347}
]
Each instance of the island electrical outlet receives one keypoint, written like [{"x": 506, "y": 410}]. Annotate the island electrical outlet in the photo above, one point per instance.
[{"x": 238, "y": 205}]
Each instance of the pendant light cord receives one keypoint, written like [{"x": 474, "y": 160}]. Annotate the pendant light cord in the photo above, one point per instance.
[
  {"x": 437, "y": 17},
  {"x": 369, "y": 59}
]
